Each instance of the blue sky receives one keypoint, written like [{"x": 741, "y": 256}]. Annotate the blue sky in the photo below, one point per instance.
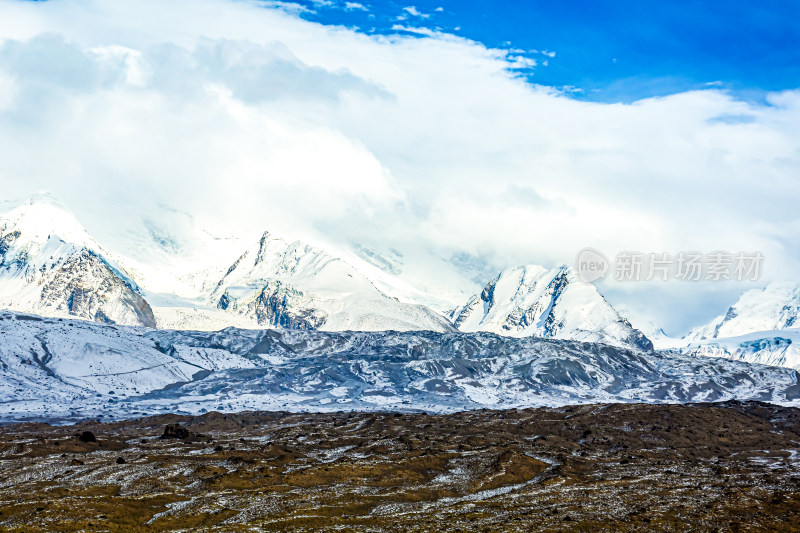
[{"x": 615, "y": 51}]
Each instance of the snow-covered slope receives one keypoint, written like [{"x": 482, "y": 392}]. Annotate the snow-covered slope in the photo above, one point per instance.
[
  {"x": 173, "y": 255},
  {"x": 534, "y": 301},
  {"x": 775, "y": 307},
  {"x": 67, "y": 368},
  {"x": 775, "y": 347},
  {"x": 418, "y": 275},
  {"x": 762, "y": 327},
  {"x": 50, "y": 265},
  {"x": 294, "y": 285}
]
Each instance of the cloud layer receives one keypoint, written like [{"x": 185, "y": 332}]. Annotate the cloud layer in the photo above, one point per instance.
[{"x": 249, "y": 117}]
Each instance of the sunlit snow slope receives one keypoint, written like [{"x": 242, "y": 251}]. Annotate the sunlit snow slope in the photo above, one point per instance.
[
  {"x": 763, "y": 327},
  {"x": 295, "y": 285}
]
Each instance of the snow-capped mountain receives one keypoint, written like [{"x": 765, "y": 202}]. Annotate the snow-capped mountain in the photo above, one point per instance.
[
  {"x": 180, "y": 275},
  {"x": 418, "y": 275},
  {"x": 75, "y": 369},
  {"x": 774, "y": 347},
  {"x": 762, "y": 327},
  {"x": 295, "y": 285},
  {"x": 171, "y": 254},
  {"x": 534, "y": 301},
  {"x": 50, "y": 265},
  {"x": 775, "y": 307}
]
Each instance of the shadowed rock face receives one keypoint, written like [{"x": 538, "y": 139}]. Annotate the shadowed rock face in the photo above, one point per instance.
[
  {"x": 86, "y": 287},
  {"x": 618, "y": 467},
  {"x": 6, "y": 241},
  {"x": 281, "y": 306}
]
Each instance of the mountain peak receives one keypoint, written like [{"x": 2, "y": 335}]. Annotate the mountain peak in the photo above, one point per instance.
[
  {"x": 50, "y": 264},
  {"x": 531, "y": 300},
  {"x": 45, "y": 197},
  {"x": 775, "y": 307},
  {"x": 43, "y": 216},
  {"x": 294, "y": 284}
]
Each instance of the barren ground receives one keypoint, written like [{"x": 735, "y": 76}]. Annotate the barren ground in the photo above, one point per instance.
[{"x": 630, "y": 467}]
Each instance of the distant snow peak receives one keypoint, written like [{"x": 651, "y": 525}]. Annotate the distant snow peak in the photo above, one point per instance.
[
  {"x": 775, "y": 307},
  {"x": 298, "y": 286},
  {"x": 763, "y": 326},
  {"x": 42, "y": 217},
  {"x": 531, "y": 300},
  {"x": 49, "y": 264}
]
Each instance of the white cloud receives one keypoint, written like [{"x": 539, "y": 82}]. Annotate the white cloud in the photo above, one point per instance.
[
  {"x": 8, "y": 91},
  {"x": 414, "y": 12},
  {"x": 290, "y": 7},
  {"x": 419, "y": 31},
  {"x": 355, "y": 6},
  {"x": 521, "y": 62},
  {"x": 250, "y": 117}
]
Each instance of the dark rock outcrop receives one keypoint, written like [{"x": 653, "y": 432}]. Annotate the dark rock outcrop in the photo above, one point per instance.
[{"x": 175, "y": 431}]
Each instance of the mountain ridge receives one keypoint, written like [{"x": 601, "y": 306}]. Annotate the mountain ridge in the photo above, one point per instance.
[
  {"x": 70, "y": 369},
  {"x": 274, "y": 283},
  {"x": 775, "y": 307}
]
